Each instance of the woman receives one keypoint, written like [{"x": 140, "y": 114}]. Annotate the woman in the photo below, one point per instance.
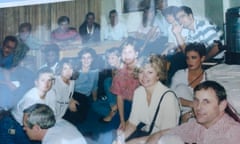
[
  {"x": 63, "y": 87},
  {"x": 147, "y": 97},
  {"x": 185, "y": 80},
  {"x": 85, "y": 88}
]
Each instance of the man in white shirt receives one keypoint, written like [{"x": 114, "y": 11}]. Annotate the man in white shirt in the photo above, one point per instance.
[
  {"x": 40, "y": 124},
  {"x": 115, "y": 30}
]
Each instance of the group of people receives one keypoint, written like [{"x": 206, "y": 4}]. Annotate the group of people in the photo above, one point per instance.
[{"x": 127, "y": 86}]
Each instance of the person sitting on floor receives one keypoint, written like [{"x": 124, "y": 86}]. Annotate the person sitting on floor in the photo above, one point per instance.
[{"x": 40, "y": 124}]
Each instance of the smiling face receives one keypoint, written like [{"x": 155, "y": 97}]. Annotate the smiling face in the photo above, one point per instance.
[
  {"x": 129, "y": 55},
  {"x": 194, "y": 61},
  {"x": 86, "y": 60},
  {"x": 207, "y": 108},
  {"x": 148, "y": 76}
]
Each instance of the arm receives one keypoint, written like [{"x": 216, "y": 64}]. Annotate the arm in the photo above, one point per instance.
[
  {"x": 214, "y": 50},
  {"x": 153, "y": 139},
  {"x": 130, "y": 128},
  {"x": 177, "y": 29}
]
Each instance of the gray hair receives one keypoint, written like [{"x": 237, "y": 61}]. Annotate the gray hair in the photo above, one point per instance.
[{"x": 41, "y": 115}]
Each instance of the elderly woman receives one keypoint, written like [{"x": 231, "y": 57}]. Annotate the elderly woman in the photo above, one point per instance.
[
  {"x": 147, "y": 97},
  {"x": 185, "y": 80}
]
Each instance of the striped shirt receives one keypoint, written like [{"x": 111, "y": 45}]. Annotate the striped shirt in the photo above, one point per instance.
[{"x": 203, "y": 32}]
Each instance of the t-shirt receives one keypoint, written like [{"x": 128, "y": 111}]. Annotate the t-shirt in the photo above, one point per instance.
[{"x": 63, "y": 133}]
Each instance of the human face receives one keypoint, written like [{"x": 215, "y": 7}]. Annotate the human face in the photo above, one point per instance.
[
  {"x": 51, "y": 58},
  {"x": 148, "y": 76},
  {"x": 31, "y": 132},
  {"x": 113, "y": 19},
  {"x": 194, "y": 61},
  {"x": 113, "y": 60},
  {"x": 90, "y": 20},
  {"x": 86, "y": 60},
  {"x": 44, "y": 82},
  {"x": 170, "y": 19},
  {"x": 9, "y": 48},
  {"x": 207, "y": 108},
  {"x": 129, "y": 55},
  {"x": 67, "y": 71},
  {"x": 24, "y": 33},
  {"x": 64, "y": 25},
  {"x": 185, "y": 19}
]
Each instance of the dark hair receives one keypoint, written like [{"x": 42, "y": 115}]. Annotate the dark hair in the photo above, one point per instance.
[
  {"x": 25, "y": 25},
  {"x": 51, "y": 47},
  {"x": 10, "y": 38},
  {"x": 63, "y": 19},
  {"x": 113, "y": 12},
  {"x": 171, "y": 10},
  {"x": 220, "y": 93},
  {"x": 115, "y": 50},
  {"x": 131, "y": 41},
  {"x": 186, "y": 10},
  {"x": 89, "y": 14},
  {"x": 197, "y": 47},
  {"x": 59, "y": 67},
  {"x": 87, "y": 50}
]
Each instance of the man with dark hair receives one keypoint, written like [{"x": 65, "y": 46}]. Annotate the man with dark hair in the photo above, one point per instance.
[
  {"x": 51, "y": 54},
  {"x": 7, "y": 52},
  {"x": 40, "y": 124},
  {"x": 64, "y": 32},
  {"x": 215, "y": 121},
  {"x": 115, "y": 30},
  {"x": 89, "y": 29}
]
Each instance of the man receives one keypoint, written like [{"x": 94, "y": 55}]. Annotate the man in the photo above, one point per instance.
[
  {"x": 115, "y": 30},
  {"x": 40, "y": 124},
  {"x": 64, "y": 32},
  {"x": 7, "y": 52},
  {"x": 11, "y": 125},
  {"x": 90, "y": 30},
  {"x": 215, "y": 122},
  {"x": 198, "y": 31}
]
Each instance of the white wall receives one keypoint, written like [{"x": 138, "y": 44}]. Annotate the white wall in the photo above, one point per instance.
[{"x": 133, "y": 19}]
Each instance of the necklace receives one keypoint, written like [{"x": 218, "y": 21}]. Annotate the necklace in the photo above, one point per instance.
[{"x": 189, "y": 84}]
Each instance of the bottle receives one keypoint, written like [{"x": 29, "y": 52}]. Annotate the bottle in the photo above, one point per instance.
[{"x": 120, "y": 137}]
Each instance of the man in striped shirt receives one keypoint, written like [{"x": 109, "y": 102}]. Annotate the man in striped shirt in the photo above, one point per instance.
[{"x": 198, "y": 31}]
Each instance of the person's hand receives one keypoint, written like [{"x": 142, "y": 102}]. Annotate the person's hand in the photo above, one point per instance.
[
  {"x": 122, "y": 125},
  {"x": 73, "y": 105},
  {"x": 177, "y": 29}
]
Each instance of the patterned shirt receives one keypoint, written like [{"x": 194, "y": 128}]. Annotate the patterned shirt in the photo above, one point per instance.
[
  {"x": 124, "y": 84},
  {"x": 203, "y": 32},
  {"x": 225, "y": 131}
]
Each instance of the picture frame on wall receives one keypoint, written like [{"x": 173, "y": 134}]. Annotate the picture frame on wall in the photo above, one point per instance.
[{"x": 133, "y": 5}]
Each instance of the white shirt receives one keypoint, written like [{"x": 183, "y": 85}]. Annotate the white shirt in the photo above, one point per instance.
[
  {"x": 30, "y": 98},
  {"x": 118, "y": 32},
  {"x": 63, "y": 133}
]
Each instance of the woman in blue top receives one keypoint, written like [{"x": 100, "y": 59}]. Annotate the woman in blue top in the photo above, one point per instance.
[{"x": 85, "y": 88}]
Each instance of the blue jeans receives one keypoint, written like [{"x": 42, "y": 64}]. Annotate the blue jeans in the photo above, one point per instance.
[{"x": 11, "y": 132}]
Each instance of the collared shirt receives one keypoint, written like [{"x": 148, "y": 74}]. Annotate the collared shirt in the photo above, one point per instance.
[
  {"x": 124, "y": 84},
  {"x": 118, "y": 32},
  {"x": 203, "y": 32},
  {"x": 224, "y": 131}
]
